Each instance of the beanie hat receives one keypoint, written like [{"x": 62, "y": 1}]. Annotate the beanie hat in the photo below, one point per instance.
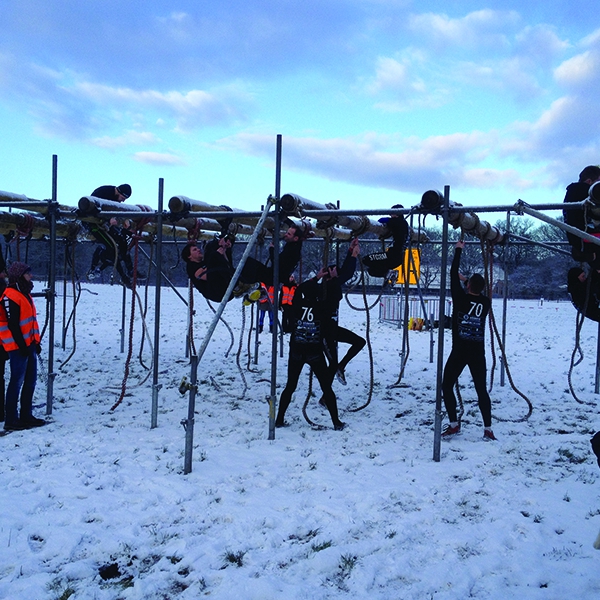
[
  {"x": 16, "y": 271},
  {"x": 124, "y": 189}
]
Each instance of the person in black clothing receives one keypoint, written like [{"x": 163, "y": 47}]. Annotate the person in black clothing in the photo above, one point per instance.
[
  {"x": 469, "y": 311},
  {"x": 331, "y": 293},
  {"x": 578, "y": 192},
  {"x": 585, "y": 295},
  {"x": 210, "y": 272},
  {"x": 306, "y": 347},
  {"x": 114, "y": 248},
  {"x": 256, "y": 272},
  {"x": 118, "y": 193},
  {"x": 379, "y": 264}
]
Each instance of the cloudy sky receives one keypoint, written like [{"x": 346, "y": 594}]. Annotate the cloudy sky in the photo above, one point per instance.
[{"x": 377, "y": 100}]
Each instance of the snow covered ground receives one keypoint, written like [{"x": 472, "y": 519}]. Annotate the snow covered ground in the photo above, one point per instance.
[{"x": 95, "y": 505}]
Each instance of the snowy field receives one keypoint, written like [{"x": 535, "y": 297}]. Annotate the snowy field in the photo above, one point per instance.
[{"x": 96, "y": 506}]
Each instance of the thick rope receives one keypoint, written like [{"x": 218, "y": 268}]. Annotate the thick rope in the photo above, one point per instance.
[
  {"x": 308, "y": 396},
  {"x": 368, "y": 338},
  {"x": 76, "y": 296},
  {"x": 579, "y": 319},
  {"x": 131, "y": 326}
]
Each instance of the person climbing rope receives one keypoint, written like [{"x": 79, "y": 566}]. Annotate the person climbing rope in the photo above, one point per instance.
[
  {"x": 379, "y": 264},
  {"x": 469, "y": 311}
]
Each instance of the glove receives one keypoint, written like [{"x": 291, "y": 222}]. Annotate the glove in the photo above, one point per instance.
[{"x": 38, "y": 348}]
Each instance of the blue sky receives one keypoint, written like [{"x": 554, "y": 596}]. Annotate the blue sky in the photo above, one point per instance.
[{"x": 377, "y": 100}]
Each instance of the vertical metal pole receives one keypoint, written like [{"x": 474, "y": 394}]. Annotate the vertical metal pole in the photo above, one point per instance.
[
  {"x": 437, "y": 439},
  {"x": 123, "y": 304},
  {"x": 597, "y": 383},
  {"x": 190, "y": 314},
  {"x": 277, "y": 225},
  {"x": 158, "y": 284},
  {"x": 504, "y": 300},
  {"x": 431, "y": 338},
  {"x": 189, "y": 422},
  {"x": 51, "y": 302}
]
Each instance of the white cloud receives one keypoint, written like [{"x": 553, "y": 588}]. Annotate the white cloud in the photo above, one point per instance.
[
  {"x": 130, "y": 138},
  {"x": 403, "y": 164},
  {"x": 159, "y": 159},
  {"x": 485, "y": 28},
  {"x": 190, "y": 109}
]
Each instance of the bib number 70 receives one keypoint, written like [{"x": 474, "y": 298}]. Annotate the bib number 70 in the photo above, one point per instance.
[{"x": 476, "y": 309}]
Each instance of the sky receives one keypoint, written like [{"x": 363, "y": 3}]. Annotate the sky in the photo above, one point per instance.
[{"x": 376, "y": 101}]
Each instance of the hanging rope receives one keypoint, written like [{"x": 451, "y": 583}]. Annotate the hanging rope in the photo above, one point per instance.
[
  {"x": 368, "y": 338},
  {"x": 131, "y": 324},
  {"x": 306, "y": 401},
  {"x": 144, "y": 311},
  {"x": 579, "y": 320},
  {"x": 76, "y": 287},
  {"x": 496, "y": 333}
]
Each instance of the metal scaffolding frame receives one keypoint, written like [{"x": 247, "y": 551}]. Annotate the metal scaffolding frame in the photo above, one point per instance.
[{"x": 346, "y": 223}]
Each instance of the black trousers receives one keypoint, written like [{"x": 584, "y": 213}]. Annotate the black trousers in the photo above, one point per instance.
[
  {"x": 296, "y": 362},
  {"x": 345, "y": 336},
  {"x": 472, "y": 356}
]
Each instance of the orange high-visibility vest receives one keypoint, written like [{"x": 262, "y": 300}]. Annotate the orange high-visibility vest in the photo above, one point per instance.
[
  {"x": 28, "y": 321},
  {"x": 287, "y": 294},
  {"x": 270, "y": 293}
]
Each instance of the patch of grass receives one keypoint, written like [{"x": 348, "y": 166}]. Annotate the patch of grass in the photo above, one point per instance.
[
  {"x": 68, "y": 592},
  {"x": 233, "y": 558},
  {"x": 322, "y": 546}
]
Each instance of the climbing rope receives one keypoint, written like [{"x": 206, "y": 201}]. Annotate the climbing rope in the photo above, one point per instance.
[
  {"x": 579, "y": 320},
  {"x": 76, "y": 286},
  {"x": 306, "y": 401},
  {"x": 496, "y": 333},
  {"x": 131, "y": 326},
  {"x": 368, "y": 339}
]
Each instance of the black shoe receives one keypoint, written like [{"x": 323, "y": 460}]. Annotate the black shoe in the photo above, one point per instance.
[
  {"x": 32, "y": 422},
  {"x": 279, "y": 424},
  {"x": 14, "y": 427},
  {"x": 339, "y": 426}
]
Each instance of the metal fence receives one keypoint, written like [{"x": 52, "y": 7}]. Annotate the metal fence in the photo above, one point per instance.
[{"x": 391, "y": 308}]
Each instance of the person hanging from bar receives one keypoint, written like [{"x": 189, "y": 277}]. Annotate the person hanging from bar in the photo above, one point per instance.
[
  {"x": 584, "y": 290},
  {"x": 332, "y": 280},
  {"x": 256, "y": 272},
  {"x": 306, "y": 347},
  {"x": 379, "y": 264},
  {"x": 578, "y": 192},
  {"x": 470, "y": 308}
]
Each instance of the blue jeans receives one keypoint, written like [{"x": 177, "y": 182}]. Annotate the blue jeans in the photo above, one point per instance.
[{"x": 23, "y": 375}]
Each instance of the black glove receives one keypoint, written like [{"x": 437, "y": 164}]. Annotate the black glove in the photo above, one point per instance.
[{"x": 38, "y": 348}]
